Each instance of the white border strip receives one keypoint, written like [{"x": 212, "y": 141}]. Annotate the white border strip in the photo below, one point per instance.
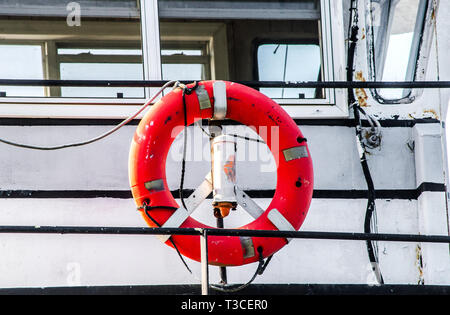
[{"x": 281, "y": 223}]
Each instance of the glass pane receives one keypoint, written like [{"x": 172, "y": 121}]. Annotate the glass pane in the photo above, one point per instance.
[
  {"x": 181, "y": 72},
  {"x": 243, "y": 37},
  {"x": 397, "y": 27},
  {"x": 185, "y": 60},
  {"x": 79, "y": 40},
  {"x": 21, "y": 62},
  {"x": 289, "y": 62},
  {"x": 395, "y": 67},
  {"x": 101, "y": 71}
]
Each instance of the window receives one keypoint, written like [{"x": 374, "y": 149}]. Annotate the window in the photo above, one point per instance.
[
  {"x": 99, "y": 64},
  {"x": 42, "y": 43},
  {"x": 26, "y": 65},
  {"x": 269, "y": 40},
  {"x": 289, "y": 62},
  {"x": 185, "y": 61},
  {"x": 170, "y": 39},
  {"x": 398, "y": 40},
  {"x": 193, "y": 50}
]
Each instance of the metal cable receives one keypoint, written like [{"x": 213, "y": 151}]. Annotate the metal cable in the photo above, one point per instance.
[
  {"x": 259, "y": 270},
  {"x": 186, "y": 91},
  {"x": 146, "y": 210},
  {"x": 104, "y": 135},
  {"x": 371, "y": 206}
]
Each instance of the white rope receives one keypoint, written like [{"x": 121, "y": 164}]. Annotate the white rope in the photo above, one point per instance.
[{"x": 104, "y": 135}]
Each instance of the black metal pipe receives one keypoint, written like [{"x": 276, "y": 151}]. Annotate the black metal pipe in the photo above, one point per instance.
[
  {"x": 228, "y": 232},
  {"x": 334, "y": 235},
  {"x": 222, "y": 270},
  {"x": 98, "y": 230},
  {"x": 253, "y": 84}
]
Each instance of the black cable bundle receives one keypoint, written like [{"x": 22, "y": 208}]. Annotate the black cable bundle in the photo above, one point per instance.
[
  {"x": 353, "y": 38},
  {"x": 186, "y": 91}
]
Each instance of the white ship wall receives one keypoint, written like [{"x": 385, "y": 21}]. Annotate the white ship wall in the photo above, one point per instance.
[{"x": 61, "y": 260}]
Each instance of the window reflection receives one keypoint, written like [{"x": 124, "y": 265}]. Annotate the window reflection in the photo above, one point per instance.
[
  {"x": 289, "y": 62},
  {"x": 397, "y": 27}
]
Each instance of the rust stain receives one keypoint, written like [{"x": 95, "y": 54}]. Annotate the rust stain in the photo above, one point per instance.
[
  {"x": 362, "y": 97},
  {"x": 359, "y": 76},
  {"x": 419, "y": 264},
  {"x": 432, "y": 112},
  {"x": 361, "y": 93}
]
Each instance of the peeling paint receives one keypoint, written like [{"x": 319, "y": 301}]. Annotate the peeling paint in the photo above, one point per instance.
[
  {"x": 361, "y": 93},
  {"x": 432, "y": 112},
  {"x": 426, "y": 113},
  {"x": 419, "y": 264}
]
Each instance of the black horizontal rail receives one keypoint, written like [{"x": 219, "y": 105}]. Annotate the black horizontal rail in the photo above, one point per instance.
[
  {"x": 253, "y": 84},
  {"x": 227, "y": 232}
]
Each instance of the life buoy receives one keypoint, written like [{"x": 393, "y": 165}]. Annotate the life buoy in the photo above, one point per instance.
[{"x": 152, "y": 141}]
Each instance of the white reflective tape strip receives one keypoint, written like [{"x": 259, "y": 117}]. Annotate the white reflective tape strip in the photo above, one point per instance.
[
  {"x": 175, "y": 220},
  {"x": 192, "y": 202},
  {"x": 280, "y": 221},
  {"x": 220, "y": 100},
  {"x": 247, "y": 203}
]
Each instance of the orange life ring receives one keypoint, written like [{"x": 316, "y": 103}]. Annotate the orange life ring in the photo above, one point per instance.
[{"x": 151, "y": 144}]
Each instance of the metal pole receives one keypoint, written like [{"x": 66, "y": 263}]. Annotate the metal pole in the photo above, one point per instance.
[
  {"x": 225, "y": 232},
  {"x": 222, "y": 270},
  {"x": 204, "y": 262},
  {"x": 215, "y": 130},
  {"x": 253, "y": 84}
]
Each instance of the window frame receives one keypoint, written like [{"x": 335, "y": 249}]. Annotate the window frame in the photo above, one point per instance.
[
  {"x": 204, "y": 59},
  {"x": 332, "y": 36},
  {"x": 418, "y": 66},
  {"x": 116, "y": 108},
  {"x": 259, "y": 42},
  {"x": 44, "y": 58},
  {"x": 83, "y": 58},
  {"x": 212, "y": 34},
  {"x": 332, "y": 42}
]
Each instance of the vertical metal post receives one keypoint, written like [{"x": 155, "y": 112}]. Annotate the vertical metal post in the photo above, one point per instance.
[
  {"x": 215, "y": 129},
  {"x": 204, "y": 262},
  {"x": 222, "y": 270}
]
